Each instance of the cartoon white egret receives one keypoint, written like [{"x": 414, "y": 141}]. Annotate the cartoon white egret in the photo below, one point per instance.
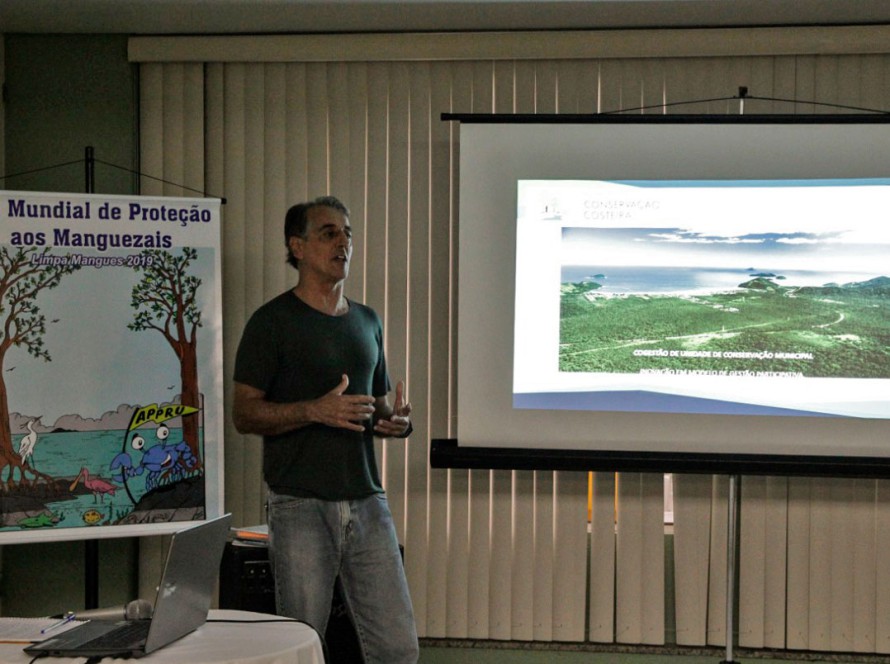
[{"x": 27, "y": 443}]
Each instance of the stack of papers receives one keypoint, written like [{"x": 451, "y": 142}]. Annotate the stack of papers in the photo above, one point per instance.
[
  {"x": 251, "y": 535},
  {"x": 32, "y": 630}
]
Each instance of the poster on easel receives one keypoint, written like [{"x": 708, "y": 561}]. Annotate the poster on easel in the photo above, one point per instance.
[{"x": 110, "y": 365}]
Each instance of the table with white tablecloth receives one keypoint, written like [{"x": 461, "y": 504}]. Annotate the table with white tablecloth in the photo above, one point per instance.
[{"x": 228, "y": 637}]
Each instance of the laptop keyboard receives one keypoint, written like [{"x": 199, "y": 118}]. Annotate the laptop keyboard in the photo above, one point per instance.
[{"x": 129, "y": 635}]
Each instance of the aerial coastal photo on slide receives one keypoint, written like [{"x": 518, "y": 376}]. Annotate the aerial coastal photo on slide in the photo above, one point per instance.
[{"x": 721, "y": 318}]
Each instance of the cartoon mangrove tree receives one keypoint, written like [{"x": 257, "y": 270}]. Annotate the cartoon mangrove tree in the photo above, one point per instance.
[
  {"x": 165, "y": 300},
  {"x": 23, "y": 276}
]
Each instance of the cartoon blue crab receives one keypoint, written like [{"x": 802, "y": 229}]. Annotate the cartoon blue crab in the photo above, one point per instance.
[{"x": 167, "y": 462}]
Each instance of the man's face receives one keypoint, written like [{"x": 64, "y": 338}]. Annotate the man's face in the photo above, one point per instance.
[{"x": 327, "y": 248}]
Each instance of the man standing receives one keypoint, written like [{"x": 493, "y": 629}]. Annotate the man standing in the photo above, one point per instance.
[{"x": 311, "y": 378}]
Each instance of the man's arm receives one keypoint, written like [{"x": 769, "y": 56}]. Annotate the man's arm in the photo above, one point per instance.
[{"x": 253, "y": 413}]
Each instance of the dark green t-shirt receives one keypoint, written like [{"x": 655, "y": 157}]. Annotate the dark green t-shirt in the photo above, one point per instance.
[{"x": 293, "y": 352}]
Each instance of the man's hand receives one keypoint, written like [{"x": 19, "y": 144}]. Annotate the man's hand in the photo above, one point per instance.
[
  {"x": 345, "y": 411},
  {"x": 397, "y": 422}
]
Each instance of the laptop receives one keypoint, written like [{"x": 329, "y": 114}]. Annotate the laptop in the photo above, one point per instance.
[{"x": 183, "y": 600}]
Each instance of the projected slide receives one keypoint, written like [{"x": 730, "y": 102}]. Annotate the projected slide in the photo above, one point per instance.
[{"x": 720, "y": 297}]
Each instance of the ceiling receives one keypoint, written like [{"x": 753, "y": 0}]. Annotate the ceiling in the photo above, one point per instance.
[{"x": 314, "y": 16}]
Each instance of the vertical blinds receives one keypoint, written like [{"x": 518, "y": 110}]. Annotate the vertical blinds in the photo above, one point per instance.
[{"x": 499, "y": 554}]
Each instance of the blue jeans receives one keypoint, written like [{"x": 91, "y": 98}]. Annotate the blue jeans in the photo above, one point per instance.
[{"x": 313, "y": 542}]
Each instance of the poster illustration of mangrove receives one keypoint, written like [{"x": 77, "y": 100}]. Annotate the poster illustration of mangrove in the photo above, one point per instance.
[{"x": 110, "y": 364}]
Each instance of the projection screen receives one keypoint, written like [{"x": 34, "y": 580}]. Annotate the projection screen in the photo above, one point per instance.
[{"x": 674, "y": 293}]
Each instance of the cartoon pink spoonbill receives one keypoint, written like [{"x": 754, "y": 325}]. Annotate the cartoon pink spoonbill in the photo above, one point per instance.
[{"x": 97, "y": 485}]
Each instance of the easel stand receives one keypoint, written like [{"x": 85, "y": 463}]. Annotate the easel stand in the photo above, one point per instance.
[
  {"x": 732, "y": 532},
  {"x": 732, "y": 520},
  {"x": 91, "y": 546}
]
